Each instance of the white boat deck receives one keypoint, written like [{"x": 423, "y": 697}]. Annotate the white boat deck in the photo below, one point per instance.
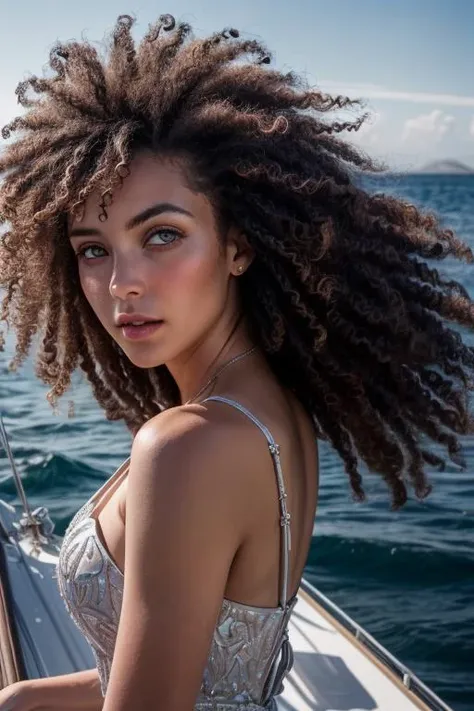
[{"x": 334, "y": 672}]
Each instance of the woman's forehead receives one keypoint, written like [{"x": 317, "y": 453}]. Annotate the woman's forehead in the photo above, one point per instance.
[{"x": 151, "y": 180}]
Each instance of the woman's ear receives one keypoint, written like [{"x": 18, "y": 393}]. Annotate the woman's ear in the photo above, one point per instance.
[{"x": 239, "y": 252}]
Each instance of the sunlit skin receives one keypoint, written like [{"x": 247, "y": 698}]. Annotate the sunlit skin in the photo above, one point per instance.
[{"x": 159, "y": 253}]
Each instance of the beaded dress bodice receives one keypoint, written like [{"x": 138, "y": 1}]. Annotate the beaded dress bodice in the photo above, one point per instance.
[{"x": 250, "y": 652}]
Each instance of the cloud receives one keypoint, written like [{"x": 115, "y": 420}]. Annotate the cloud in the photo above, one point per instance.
[
  {"x": 430, "y": 127},
  {"x": 369, "y": 133},
  {"x": 471, "y": 127},
  {"x": 375, "y": 91}
]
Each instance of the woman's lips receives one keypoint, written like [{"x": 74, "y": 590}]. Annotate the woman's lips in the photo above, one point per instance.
[{"x": 137, "y": 333}]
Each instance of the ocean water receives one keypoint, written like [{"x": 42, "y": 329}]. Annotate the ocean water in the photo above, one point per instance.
[{"x": 407, "y": 577}]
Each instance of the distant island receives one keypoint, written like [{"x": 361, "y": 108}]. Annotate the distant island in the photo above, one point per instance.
[{"x": 448, "y": 167}]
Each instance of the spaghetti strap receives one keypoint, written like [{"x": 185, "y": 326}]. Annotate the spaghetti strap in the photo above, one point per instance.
[
  {"x": 97, "y": 500},
  {"x": 274, "y": 448}
]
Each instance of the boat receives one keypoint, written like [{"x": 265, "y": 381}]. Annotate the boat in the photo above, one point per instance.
[{"x": 337, "y": 666}]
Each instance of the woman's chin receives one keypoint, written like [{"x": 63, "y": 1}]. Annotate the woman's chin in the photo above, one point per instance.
[
  {"x": 143, "y": 359},
  {"x": 145, "y": 362}
]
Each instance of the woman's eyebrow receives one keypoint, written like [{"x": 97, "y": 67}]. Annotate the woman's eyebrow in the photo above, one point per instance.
[
  {"x": 84, "y": 232},
  {"x": 143, "y": 216},
  {"x": 157, "y": 209}
]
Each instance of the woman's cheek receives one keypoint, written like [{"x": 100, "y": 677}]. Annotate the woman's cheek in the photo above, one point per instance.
[
  {"x": 189, "y": 276},
  {"x": 95, "y": 291}
]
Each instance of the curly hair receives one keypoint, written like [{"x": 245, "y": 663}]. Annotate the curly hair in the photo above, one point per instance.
[{"x": 340, "y": 297}]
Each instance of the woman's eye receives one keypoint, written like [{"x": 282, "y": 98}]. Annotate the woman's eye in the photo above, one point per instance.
[
  {"x": 91, "y": 251},
  {"x": 164, "y": 236},
  {"x": 160, "y": 238}
]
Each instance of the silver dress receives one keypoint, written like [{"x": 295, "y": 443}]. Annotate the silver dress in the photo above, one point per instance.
[{"x": 250, "y": 652}]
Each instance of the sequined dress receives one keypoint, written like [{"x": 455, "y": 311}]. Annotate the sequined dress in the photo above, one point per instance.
[{"x": 250, "y": 652}]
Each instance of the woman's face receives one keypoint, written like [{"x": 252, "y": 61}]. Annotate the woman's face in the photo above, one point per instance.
[{"x": 157, "y": 256}]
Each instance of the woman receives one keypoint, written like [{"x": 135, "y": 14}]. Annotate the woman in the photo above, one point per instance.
[{"x": 184, "y": 225}]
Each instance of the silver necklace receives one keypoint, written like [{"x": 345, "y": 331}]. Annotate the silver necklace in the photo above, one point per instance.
[{"x": 220, "y": 370}]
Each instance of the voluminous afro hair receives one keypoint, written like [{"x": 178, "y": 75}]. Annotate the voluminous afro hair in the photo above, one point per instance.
[{"x": 339, "y": 297}]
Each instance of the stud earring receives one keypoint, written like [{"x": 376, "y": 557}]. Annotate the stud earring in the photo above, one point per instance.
[{"x": 240, "y": 269}]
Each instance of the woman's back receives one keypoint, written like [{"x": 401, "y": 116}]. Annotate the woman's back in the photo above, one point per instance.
[{"x": 255, "y": 567}]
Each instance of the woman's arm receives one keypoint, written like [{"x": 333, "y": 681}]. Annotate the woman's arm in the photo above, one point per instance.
[
  {"x": 184, "y": 513},
  {"x": 79, "y": 691}
]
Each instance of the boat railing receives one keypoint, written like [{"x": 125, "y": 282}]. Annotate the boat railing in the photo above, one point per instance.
[{"x": 36, "y": 525}]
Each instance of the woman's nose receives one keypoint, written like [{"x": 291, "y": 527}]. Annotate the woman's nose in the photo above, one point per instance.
[{"x": 126, "y": 282}]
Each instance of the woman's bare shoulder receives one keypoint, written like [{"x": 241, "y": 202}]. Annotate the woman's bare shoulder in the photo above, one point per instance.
[{"x": 197, "y": 441}]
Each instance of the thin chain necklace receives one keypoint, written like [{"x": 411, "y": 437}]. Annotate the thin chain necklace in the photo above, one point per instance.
[{"x": 220, "y": 370}]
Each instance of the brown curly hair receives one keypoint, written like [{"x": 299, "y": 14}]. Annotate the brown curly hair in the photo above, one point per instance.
[{"x": 339, "y": 296}]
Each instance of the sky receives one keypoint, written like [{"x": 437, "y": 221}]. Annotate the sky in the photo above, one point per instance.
[{"x": 411, "y": 60}]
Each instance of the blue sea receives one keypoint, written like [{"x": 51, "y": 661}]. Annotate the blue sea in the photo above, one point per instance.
[{"x": 407, "y": 577}]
